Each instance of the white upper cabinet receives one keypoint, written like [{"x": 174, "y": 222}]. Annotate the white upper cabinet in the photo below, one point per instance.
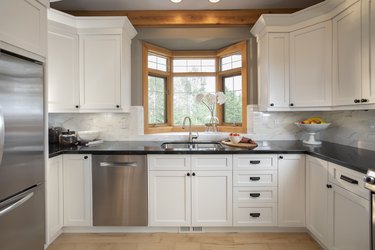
[
  {"x": 23, "y": 24},
  {"x": 100, "y": 72},
  {"x": 89, "y": 63},
  {"x": 310, "y": 66},
  {"x": 349, "y": 78},
  {"x": 370, "y": 89},
  {"x": 63, "y": 84}
]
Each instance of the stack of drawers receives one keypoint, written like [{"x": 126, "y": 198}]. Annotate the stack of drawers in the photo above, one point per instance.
[{"x": 255, "y": 190}]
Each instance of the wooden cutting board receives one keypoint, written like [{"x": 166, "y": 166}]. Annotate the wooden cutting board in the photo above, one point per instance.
[{"x": 240, "y": 145}]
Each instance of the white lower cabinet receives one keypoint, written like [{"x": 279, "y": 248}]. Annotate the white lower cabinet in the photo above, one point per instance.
[
  {"x": 190, "y": 197},
  {"x": 54, "y": 198},
  {"x": 291, "y": 190},
  {"x": 77, "y": 190}
]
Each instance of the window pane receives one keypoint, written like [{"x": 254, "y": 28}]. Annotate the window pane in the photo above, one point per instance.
[
  {"x": 193, "y": 65},
  {"x": 184, "y": 91},
  {"x": 157, "y": 62},
  {"x": 231, "y": 62},
  {"x": 156, "y": 100},
  {"x": 233, "y": 103}
]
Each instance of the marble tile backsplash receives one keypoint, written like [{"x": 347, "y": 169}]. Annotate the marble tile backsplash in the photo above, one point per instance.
[{"x": 353, "y": 128}]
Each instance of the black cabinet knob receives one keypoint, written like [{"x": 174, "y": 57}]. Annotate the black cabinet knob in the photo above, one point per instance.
[
  {"x": 272, "y": 104},
  {"x": 188, "y": 174},
  {"x": 85, "y": 157},
  {"x": 357, "y": 101},
  {"x": 329, "y": 186},
  {"x": 364, "y": 100},
  {"x": 77, "y": 106},
  {"x": 281, "y": 157},
  {"x": 292, "y": 104},
  {"x": 193, "y": 174},
  {"x": 117, "y": 106}
]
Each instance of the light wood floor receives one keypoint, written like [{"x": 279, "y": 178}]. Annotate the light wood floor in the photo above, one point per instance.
[{"x": 172, "y": 241}]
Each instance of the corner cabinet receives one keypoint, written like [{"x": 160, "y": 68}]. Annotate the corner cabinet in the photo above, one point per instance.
[
  {"x": 200, "y": 195},
  {"x": 77, "y": 190},
  {"x": 23, "y": 24},
  {"x": 91, "y": 71}
]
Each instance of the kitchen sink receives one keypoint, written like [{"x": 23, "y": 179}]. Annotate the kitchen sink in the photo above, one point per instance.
[{"x": 191, "y": 146}]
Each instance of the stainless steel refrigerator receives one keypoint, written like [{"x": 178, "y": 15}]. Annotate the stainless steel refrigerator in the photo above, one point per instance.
[{"x": 22, "y": 221}]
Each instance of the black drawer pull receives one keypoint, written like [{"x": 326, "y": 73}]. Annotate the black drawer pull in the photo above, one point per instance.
[
  {"x": 350, "y": 180},
  {"x": 255, "y": 215},
  {"x": 254, "y": 195},
  {"x": 254, "y": 178},
  {"x": 254, "y": 162}
]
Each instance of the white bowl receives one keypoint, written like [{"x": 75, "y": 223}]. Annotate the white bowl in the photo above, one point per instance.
[
  {"x": 311, "y": 128},
  {"x": 235, "y": 138},
  {"x": 88, "y": 135}
]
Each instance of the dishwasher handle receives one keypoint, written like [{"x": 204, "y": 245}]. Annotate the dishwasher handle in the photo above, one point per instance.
[{"x": 119, "y": 164}]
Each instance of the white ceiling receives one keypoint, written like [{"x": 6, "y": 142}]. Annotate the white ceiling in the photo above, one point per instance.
[{"x": 184, "y": 5}]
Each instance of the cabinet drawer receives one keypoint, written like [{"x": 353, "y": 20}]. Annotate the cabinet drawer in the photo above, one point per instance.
[
  {"x": 255, "y": 194},
  {"x": 168, "y": 162},
  {"x": 211, "y": 162},
  {"x": 349, "y": 179},
  {"x": 254, "y": 162},
  {"x": 267, "y": 178},
  {"x": 261, "y": 214}
]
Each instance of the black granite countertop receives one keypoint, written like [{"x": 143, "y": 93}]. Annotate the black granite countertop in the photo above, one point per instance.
[{"x": 354, "y": 158}]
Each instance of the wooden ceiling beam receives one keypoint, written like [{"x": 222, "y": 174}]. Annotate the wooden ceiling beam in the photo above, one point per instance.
[{"x": 167, "y": 18}]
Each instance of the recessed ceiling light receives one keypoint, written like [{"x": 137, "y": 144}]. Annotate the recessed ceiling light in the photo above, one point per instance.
[
  {"x": 176, "y": 1},
  {"x": 214, "y": 1}
]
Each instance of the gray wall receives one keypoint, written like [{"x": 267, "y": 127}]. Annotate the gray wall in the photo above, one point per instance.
[{"x": 191, "y": 39}]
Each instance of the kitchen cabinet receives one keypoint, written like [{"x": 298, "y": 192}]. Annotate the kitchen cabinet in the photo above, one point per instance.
[
  {"x": 91, "y": 72},
  {"x": 291, "y": 190},
  {"x": 310, "y": 66},
  {"x": 23, "y": 24},
  {"x": 54, "y": 198},
  {"x": 255, "y": 190},
  {"x": 77, "y": 190},
  {"x": 190, "y": 196},
  {"x": 63, "y": 73},
  {"x": 100, "y": 72},
  {"x": 350, "y": 58},
  {"x": 317, "y": 198}
]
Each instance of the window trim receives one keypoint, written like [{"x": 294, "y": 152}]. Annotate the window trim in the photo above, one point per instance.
[{"x": 170, "y": 55}]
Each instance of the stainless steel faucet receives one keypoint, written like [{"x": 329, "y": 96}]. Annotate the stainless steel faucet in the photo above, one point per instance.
[{"x": 191, "y": 137}]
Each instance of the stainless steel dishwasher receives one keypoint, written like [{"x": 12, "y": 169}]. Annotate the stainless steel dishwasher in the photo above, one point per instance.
[{"x": 119, "y": 190}]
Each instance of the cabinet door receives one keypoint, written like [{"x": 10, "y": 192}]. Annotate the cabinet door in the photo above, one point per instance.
[
  {"x": 212, "y": 198},
  {"x": 347, "y": 59},
  {"x": 100, "y": 70},
  {"x": 63, "y": 84},
  {"x": 23, "y": 23},
  {"x": 54, "y": 198},
  {"x": 317, "y": 198},
  {"x": 292, "y": 191},
  {"x": 211, "y": 162},
  {"x": 310, "y": 66},
  {"x": 278, "y": 66},
  {"x": 349, "y": 216},
  {"x": 77, "y": 190},
  {"x": 169, "y": 199},
  {"x": 370, "y": 89}
]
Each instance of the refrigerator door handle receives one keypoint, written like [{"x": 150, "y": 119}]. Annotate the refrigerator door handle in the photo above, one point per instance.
[
  {"x": 2, "y": 134},
  {"x": 16, "y": 204}
]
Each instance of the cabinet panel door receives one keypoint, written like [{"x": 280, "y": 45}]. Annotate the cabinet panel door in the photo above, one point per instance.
[
  {"x": 292, "y": 191},
  {"x": 23, "y": 23},
  {"x": 370, "y": 89},
  {"x": 278, "y": 63},
  {"x": 77, "y": 190},
  {"x": 349, "y": 220},
  {"x": 212, "y": 198},
  {"x": 100, "y": 65},
  {"x": 347, "y": 59},
  {"x": 63, "y": 84},
  {"x": 54, "y": 198},
  {"x": 169, "y": 198},
  {"x": 310, "y": 66},
  {"x": 317, "y": 198},
  {"x": 211, "y": 162}
]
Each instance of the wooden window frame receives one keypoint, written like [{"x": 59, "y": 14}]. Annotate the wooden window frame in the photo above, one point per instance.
[{"x": 170, "y": 55}]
